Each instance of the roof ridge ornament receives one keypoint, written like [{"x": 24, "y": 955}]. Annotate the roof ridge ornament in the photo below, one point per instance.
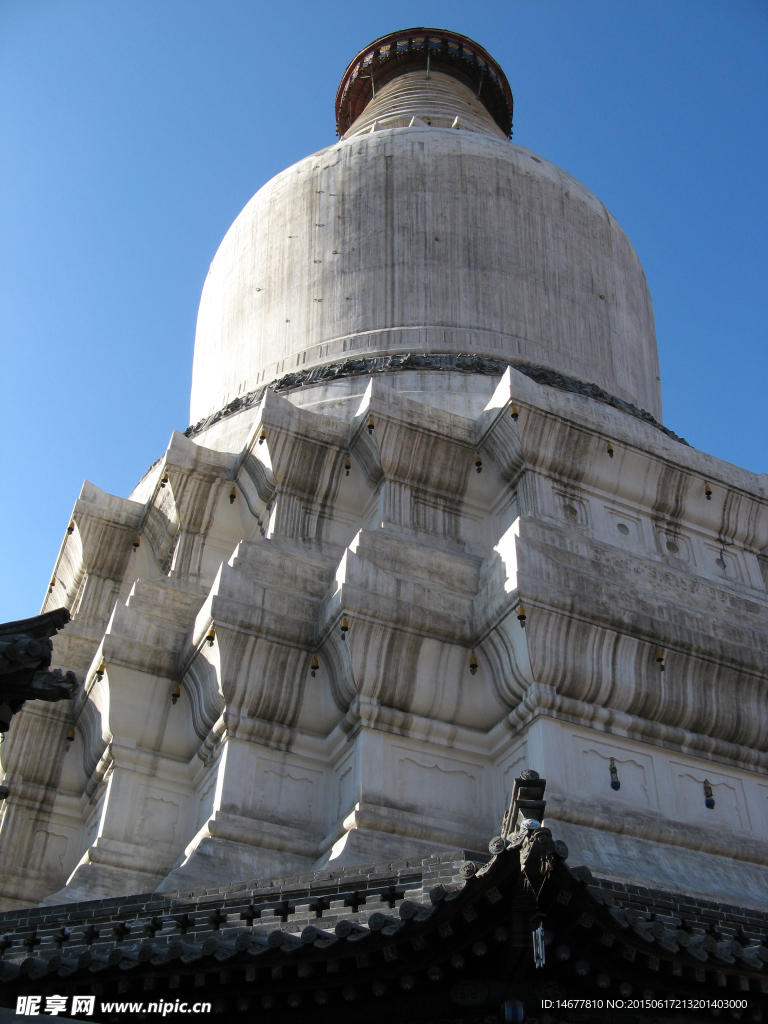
[
  {"x": 25, "y": 659},
  {"x": 526, "y": 808}
]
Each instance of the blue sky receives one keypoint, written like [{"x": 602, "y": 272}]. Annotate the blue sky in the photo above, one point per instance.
[{"x": 132, "y": 134}]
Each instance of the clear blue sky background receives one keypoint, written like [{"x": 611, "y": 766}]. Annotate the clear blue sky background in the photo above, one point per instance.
[{"x": 132, "y": 134}]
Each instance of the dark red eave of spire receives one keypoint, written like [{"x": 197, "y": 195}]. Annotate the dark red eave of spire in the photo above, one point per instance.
[{"x": 409, "y": 50}]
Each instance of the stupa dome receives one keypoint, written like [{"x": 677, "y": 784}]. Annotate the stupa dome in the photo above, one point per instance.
[{"x": 424, "y": 230}]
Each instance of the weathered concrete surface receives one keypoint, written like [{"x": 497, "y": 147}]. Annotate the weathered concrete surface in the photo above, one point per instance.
[{"x": 424, "y": 238}]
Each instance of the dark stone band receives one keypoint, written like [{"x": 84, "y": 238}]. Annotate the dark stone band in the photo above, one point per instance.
[{"x": 463, "y": 363}]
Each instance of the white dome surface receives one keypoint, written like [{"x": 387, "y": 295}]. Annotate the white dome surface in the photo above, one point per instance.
[{"x": 424, "y": 239}]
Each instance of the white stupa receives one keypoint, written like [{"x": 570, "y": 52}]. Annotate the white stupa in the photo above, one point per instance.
[{"x": 427, "y": 530}]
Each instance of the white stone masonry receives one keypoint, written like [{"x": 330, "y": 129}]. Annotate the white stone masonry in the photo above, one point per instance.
[
  {"x": 393, "y": 746},
  {"x": 332, "y": 627}
]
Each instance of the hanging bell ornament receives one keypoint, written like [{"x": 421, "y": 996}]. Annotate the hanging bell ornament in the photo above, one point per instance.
[{"x": 709, "y": 796}]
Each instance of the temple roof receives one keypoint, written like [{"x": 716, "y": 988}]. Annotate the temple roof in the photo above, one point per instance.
[
  {"x": 25, "y": 657},
  {"x": 448, "y": 936}
]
